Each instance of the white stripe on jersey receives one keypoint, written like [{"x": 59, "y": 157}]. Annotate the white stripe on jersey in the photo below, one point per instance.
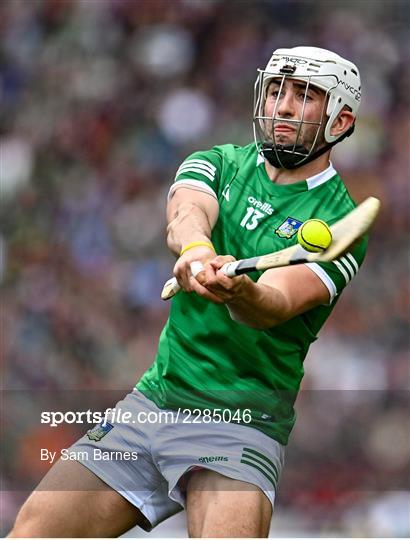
[
  {"x": 331, "y": 287},
  {"x": 353, "y": 261},
  {"x": 193, "y": 184},
  {"x": 201, "y": 163},
  {"x": 185, "y": 166},
  {"x": 348, "y": 266},
  {"x": 197, "y": 169},
  {"x": 343, "y": 271}
]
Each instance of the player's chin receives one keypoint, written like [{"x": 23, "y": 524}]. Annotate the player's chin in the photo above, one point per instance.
[{"x": 285, "y": 139}]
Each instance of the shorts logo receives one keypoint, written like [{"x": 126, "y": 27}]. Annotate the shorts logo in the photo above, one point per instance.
[
  {"x": 98, "y": 432},
  {"x": 211, "y": 459},
  {"x": 288, "y": 228}
]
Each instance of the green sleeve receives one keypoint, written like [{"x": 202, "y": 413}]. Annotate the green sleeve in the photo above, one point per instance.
[{"x": 200, "y": 171}]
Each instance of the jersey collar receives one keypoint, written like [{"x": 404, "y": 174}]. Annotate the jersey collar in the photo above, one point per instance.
[
  {"x": 311, "y": 182},
  {"x": 322, "y": 177}
]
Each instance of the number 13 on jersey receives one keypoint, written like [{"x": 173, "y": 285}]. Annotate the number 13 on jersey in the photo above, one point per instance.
[{"x": 251, "y": 219}]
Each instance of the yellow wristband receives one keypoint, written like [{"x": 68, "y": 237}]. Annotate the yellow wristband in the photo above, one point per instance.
[{"x": 196, "y": 244}]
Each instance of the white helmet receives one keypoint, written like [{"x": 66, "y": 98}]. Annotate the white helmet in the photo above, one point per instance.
[{"x": 337, "y": 77}]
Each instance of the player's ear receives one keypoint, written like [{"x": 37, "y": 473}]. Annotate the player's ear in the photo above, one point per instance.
[{"x": 344, "y": 120}]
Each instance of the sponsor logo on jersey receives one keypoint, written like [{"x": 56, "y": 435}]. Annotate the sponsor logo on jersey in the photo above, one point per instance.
[
  {"x": 98, "y": 432},
  {"x": 212, "y": 459},
  {"x": 225, "y": 192},
  {"x": 262, "y": 206},
  {"x": 288, "y": 228}
]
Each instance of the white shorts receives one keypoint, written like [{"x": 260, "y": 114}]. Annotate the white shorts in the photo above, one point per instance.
[{"x": 146, "y": 462}]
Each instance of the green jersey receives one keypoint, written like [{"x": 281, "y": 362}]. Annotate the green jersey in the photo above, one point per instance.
[{"x": 206, "y": 360}]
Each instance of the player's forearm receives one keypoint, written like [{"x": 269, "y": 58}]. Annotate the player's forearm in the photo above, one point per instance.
[
  {"x": 188, "y": 223},
  {"x": 259, "y": 306}
]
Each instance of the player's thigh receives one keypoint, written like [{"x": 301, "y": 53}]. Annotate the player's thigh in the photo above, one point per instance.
[
  {"x": 71, "y": 501},
  {"x": 218, "y": 506}
]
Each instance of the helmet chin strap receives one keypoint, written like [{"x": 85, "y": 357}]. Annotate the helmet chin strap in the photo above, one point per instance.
[{"x": 289, "y": 156}]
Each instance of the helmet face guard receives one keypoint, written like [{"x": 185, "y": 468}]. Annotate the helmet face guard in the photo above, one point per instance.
[
  {"x": 319, "y": 68},
  {"x": 288, "y": 156}
]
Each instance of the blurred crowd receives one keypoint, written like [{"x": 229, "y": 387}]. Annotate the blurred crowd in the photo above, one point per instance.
[{"x": 100, "y": 102}]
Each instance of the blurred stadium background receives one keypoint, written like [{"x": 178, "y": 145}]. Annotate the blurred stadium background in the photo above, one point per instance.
[{"x": 100, "y": 102}]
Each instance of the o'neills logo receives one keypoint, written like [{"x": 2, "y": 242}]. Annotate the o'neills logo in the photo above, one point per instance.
[
  {"x": 212, "y": 459},
  {"x": 263, "y": 206}
]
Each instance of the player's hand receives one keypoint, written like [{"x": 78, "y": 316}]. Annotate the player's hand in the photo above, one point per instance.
[
  {"x": 182, "y": 268},
  {"x": 214, "y": 285}
]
